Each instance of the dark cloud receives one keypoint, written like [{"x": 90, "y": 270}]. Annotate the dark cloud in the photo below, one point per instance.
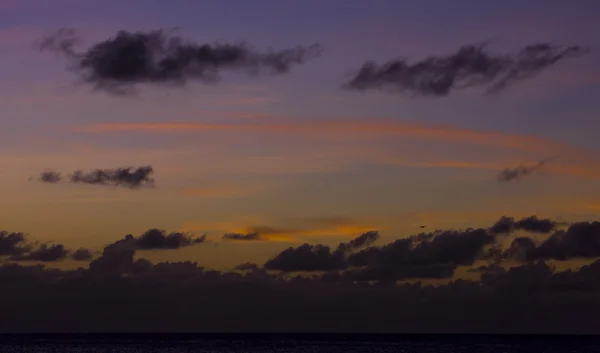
[
  {"x": 158, "y": 239},
  {"x": 128, "y": 177},
  {"x": 535, "y": 225},
  {"x": 580, "y": 240},
  {"x": 165, "y": 297},
  {"x": 307, "y": 258},
  {"x": 16, "y": 247},
  {"x": 530, "y": 224},
  {"x": 82, "y": 254},
  {"x": 12, "y": 243},
  {"x": 519, "y": 172},
  {"x": 50, "y": 176},
  {"x": 366, "y": 239},
  {"x": 159, "y": 57},
  {"x": 427, "y": 255},
  {"x": 116, "y": 259},
  {"x": 355, "y": 290},
  {"x": 470, "y": 66},
  {"x": 242, "y": 237},
  {"x": 44, "y": 253}
]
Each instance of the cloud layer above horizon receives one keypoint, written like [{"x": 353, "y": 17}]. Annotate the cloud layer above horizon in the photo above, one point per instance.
[{"x": 514, "y": 269}]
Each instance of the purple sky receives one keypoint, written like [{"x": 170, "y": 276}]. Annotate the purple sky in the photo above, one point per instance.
[{"x": 257, "y": 176}]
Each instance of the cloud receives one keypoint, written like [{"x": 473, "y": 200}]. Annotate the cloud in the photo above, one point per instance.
[
  {"x": 433, "y": 255},
  {"x": 128, "y": 177},
  {"x": 528, "y": 298},
  {"x": 12, "y": 243},
  {"x": 44, "y": 253},
  {"x": 519, "y": 172},
  {"x": 82, "y": 254},
  {"x": 427, "y": 255},
  {"x": 242, "y": 237},
  {"x": 16, "y": 247},
  {"x": 470, "y": 66},
  {"x": 159, "y": 57},
  {"x": 531, "y": 298},
  {"x": 157, "y": 239},
  {"x": 306, "y": 257},
  {"x": 364, "y": 128},
  {"x": 580, "y": 240},
  {"x": 531, "y": 224},
  {"x": 50, "y": 176}
]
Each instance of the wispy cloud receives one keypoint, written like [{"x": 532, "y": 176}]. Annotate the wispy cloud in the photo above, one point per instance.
[
  {"x": 469, "y": 66},
  {"x": 359, "y": 129},
  {"x": 519, "y": 172}
]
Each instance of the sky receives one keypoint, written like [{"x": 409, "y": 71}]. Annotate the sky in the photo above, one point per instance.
[{"x": 298, "y": 158}]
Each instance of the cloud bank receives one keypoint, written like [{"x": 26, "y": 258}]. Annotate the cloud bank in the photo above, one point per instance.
[
  {"x": 159, "y": 57},
  {"x": 470, "y": 66},
  {"x": 351, "y": 288}
]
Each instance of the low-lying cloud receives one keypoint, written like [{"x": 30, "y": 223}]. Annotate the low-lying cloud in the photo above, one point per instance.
[
  {"x": 16, "y": 246},
  {"x": 159, "y": 57},
  {"x": 242, "y": 237},
  {"x": 341, "y": 289},
  {"x": 127, "y": 177},
  {"x": 470, "y": 66}
]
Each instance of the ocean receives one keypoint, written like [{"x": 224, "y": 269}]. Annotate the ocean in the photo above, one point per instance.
[{"x": 301, "y": 343}]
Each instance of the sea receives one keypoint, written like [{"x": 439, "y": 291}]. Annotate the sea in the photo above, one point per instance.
[{"x": 300, "y": 343}]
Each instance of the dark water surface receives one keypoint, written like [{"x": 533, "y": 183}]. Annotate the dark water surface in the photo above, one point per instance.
[{"x": 251, "y": 343}]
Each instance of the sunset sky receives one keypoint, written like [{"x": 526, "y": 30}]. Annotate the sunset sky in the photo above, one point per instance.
[
  {"x": 296, "y": 152},
  {"x": 298, "y": 164}
]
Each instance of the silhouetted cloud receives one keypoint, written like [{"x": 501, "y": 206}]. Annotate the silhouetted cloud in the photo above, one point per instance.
[
  {"x": 158, "y": 239},
  {"x": 116, "y": 259},
  {"x": 530, "y": 224},
  {"x": 12, "y": 243},
  {"x": 366, "y": 239},
  {"x": 128, "y": 177},
  {"x": 534, "y": 224},
  {"x": 519, "y": 172},
  {"x": 16, "y": 247},
  {"x": 533, "y": 298},
  {"x": 307, "y": 258},
  {"x": 44, "y": 253},
  {"x": 242, "y": 237},
  {"x": 159, "y": 57},
  {"x": 426, "y": 255},
  {"x": 119, "y": 293},
  {"x": 580, "y": 240},
  {"x": 470, "y": 66},
  {"x": 154, "y": 239},
  {"x": 50, "y": 176},
  {"x": 82, "y": 254}
]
